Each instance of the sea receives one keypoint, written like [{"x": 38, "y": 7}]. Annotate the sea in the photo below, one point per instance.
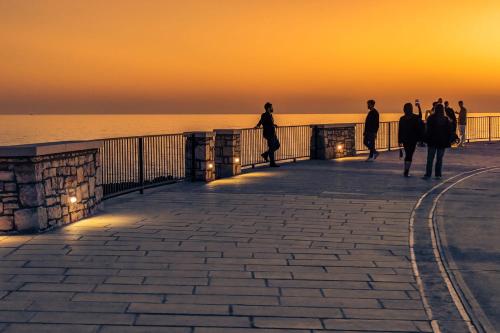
[{"x": 28, "y": 129}]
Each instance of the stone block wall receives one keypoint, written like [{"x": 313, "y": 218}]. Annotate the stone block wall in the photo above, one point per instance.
[
  {"x": 200, "y": 162},
  {"x": 36, "y": 191},
  {"x": 227, "y": 153},
  {"x": 333, "y": 141}
]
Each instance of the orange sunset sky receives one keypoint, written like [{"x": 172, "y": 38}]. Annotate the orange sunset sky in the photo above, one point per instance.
[{"x": 231, "y": 56}]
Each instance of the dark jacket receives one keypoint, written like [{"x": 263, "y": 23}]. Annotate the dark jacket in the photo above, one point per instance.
[
  {"x": 438, "y": 131},
  {"x": 451, "y": 114},
  {"x": 410, "y": 129},
  {"x": 267, "y": 122},
  {"x": 372, "y": 122}
]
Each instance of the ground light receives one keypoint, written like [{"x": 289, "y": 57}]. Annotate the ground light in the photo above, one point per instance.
[{"x": 72, "y": 199}]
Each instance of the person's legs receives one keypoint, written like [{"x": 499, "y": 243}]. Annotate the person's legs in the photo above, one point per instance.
[
  {"x": 439, "y": 161},
  {"x": 367, "y": 143},
  {"x": 409, "y": 151},
  {"x": 431, "y": 151},
  {"x": 273, "y": 145},
  {"x": 374, "y": 146},
  {"x": 462, "y": 135}
]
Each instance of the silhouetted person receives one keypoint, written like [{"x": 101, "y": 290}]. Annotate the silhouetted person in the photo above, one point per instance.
[
  {"x": 371, "y": 129},
  {"x": 438, "y": 138},
  {"x": 450, "y": 113},
  {"x": 421, "y": 116},
  {"x": 269, "y": 133},
  {"x": 410, "y": 132},
  {"x": 462, "y": 123},
  {"x": 431, "y": 111}
]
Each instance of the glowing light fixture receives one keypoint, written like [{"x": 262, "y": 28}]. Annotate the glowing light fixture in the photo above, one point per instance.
[
  {"x": 340, "y": 147},
  {"x": 236, "y": 160},
  {"x": 210, "y": 165},
  {"x": 72, "y": 199}
]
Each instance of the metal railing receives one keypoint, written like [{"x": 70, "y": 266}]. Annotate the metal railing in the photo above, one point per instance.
[
  {"x": 134, "y": 163},
  {"x": 483, "y": 128},
  {"x": 295, "y": 144},
  {"x": 387, "y": 136}
]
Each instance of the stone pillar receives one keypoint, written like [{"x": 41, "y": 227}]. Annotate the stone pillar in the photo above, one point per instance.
[
  {"x": 48, "y": 185},
  {"x": 333, "y": 141},
  {"x": 200, "y": 157},
  {"x": 227, "y": 152}
]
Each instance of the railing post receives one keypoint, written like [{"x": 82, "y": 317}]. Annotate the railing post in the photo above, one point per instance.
[
  {"x": 489, "y": 128},
  {"x": 200, "y": 163},
  {"x": 389, "y": 136},
  {"x": 333, "y": 141},
  {"x": 227, "y": 152},
  {"x": 140, "y": 159}
]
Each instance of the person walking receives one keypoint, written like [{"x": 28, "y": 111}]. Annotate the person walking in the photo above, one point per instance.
[
  {"x": 438, "y": 138},
  {"x": 371, "y": 129},
  {"x": 410, "y": 132},
  {"x": 462, "y": 123},
  {"x": 269, "y": 133}
]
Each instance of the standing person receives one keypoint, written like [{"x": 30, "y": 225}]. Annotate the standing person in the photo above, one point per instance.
[
  {"x": 410, "y": 132},
  {"x": 371, "y": 129},
  {"x": 269, "y": 133},
  {"x": 437, "y": 136},
  {"x": 462, "y": 123},
  {"x": 450, "y": 113}
]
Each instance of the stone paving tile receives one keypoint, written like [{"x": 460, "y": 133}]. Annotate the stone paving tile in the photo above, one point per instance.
[
  {"x": 50, "y": 328},
  {"x": 239, "y": 255}
]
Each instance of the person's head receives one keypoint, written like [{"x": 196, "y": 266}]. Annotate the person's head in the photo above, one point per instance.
[
  {"x": 268, "y": 107},
  {"x": 439, "y": 110},
  {"x": 408, "y": 108},
  {"x": 446, "y": 104},
  {"x": 440, "y": 100},
  {"x": 371, "y": 104},
  {"x": 461, "y": 104}
]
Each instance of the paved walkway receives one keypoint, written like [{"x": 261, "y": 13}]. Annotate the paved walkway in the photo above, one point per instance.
[{"x": 313, "y": 246}]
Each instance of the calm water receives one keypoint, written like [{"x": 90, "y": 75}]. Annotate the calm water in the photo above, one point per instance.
[{"x": 22, "y": 129}]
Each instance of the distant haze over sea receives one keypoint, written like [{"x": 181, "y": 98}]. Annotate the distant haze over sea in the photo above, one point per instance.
[{"x": 23, "y": 129}]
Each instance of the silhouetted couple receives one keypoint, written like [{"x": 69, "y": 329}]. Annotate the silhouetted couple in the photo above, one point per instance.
[
  {"x": 269, "y": 133},
  {"x": 438, "y": 135}
]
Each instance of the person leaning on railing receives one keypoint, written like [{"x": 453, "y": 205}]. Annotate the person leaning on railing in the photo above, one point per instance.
[{"x": 269, "y": 133}]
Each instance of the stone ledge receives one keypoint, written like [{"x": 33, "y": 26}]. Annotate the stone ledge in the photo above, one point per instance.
[
  {"x": 333, "y": 125},
  {"x": 40, "y": 149},
  {"x": 227, "y": 131},
  {"x": 199, "y": 134}
]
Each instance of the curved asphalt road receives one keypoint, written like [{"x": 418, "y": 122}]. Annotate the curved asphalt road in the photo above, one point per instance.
[{"x": 468, "y": 217}]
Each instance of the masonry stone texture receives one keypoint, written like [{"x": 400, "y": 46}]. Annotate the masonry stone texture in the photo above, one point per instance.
[
  {"x": 227, "y": 153},
  {"x": 333, "y": 141},
  {"x": 200, "y": 157},
  {"x": 36, "y": 191}
]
